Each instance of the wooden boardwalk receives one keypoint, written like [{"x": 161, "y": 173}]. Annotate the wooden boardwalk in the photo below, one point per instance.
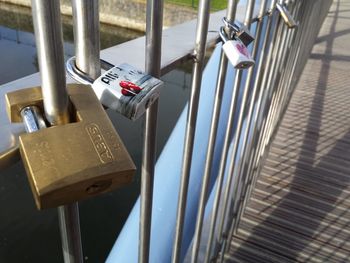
[{"x": 300, "y": 208}]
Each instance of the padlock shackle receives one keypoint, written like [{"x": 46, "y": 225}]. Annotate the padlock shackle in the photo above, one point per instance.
[
  {"x": 233, "y": 26},
  {"x": 223, "y": 35},
  {"x": 80, "y": 76},
  {"x": 49, "y": 42},
  {"x": 32, "y": 119}
]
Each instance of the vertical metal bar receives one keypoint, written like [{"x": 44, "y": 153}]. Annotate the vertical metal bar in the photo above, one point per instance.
[
  {"x": 230, "y": 15},
  {"x": 199, "y": 55},
  {"x": 49, "y": 40},
  {"x": 249, "y": 115},
  {"x": 251, "y": 167},
  {"x": 239, "y": 125},
  {"x": 271, "y": 101},
  {"x": 68, "y": 218},
  {"x": 243, "y": 170},
  {"x": 262, "y": 72},
  {"x": 280, "y": 88},
  {"x": 220, "y": 177},
  {"x": 264, "y": 91},
  {"x": 290, "y": 47},
  {"x": 154, "y": 26},
  {"x": 86, "y": 28}
]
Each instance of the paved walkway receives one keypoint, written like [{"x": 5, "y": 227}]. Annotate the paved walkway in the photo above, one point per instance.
[{"x": 300, "y": 208}]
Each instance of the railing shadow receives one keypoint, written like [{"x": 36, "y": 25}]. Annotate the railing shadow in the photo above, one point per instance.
[{"x": 317, "y": 155}]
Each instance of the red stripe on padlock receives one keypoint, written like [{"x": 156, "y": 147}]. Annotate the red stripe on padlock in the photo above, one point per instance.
[
  {"x": 129, "y": 88},
  {"x": 243, "y": 49}
]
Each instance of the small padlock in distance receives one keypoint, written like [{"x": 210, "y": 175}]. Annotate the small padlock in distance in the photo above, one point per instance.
[
  {"x": 239, "y": 31},
  {"x": 71, "y": 162},
  {"x": 122, "y": 88},
  {"x": 287, "y": 17},
  {"x": 236, "y": 52}
]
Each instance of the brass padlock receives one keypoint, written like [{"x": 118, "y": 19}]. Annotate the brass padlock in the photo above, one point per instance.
[{"x": 71, "y": 162}]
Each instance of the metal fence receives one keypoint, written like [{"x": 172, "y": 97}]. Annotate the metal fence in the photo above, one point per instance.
[
  {"x": 280, "y": 51},
  {"x": 260, "y": 95}
]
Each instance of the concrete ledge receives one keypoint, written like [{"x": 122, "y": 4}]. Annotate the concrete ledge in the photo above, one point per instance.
[{"x": 129, "y": 14}]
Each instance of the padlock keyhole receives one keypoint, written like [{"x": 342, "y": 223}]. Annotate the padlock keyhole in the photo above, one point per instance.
[{"x": 98, "y": 187}]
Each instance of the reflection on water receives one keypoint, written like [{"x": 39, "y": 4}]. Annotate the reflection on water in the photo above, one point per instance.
[
  {"x": 27, "y": 235},
  {"x": 16, "y": 37}
]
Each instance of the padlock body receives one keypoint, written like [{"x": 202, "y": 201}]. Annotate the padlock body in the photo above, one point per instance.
[
  {"x": 127, "y": 90},
  {"x": 72, "y": 162},
  {"x": 238, "y": 54},
  {"x": 243, "y": 34},
  {"x": 287, "y": 17}
]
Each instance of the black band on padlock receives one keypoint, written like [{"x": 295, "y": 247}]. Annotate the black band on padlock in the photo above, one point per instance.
[{"x": 239, "y": 31}]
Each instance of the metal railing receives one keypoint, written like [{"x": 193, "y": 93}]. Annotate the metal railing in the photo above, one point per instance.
[
  {"x": 260, "y": 96},
  {"x": 263, "y": 93}
]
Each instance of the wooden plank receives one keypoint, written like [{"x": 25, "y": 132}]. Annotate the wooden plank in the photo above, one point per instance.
[
  {"x": 288, "y": 243},
  {"x": 303, "y": 225},
  {"x": 270, "y": 202},
  {"x": 243, "y": 251}
]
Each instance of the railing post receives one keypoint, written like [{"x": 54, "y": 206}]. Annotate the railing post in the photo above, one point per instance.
[
  {"x": 86, "y": 28},
  {"x": 199, "y": 54},
  {"x": 220, "y": 84},
  {"x": 154, "y": 26},
  {"x": 239, "y": 126},
  {"x": 246, "y": 155},
  {"x": 49, "y": 40}
]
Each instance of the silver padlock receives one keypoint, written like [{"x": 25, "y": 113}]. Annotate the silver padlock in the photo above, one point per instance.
[
  {"x": 122, "y": 88},
  {"x": 287, "y": 17},
  {"x": 239, "y": 31},
  {"x": 236, "y": 52}
]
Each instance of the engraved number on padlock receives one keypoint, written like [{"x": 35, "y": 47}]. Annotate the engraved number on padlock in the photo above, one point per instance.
[
  {"x": 236, "y": 52},
  {"x": 287, "y": 17}
]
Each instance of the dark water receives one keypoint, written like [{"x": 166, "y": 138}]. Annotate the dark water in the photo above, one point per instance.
[{"x": 28, "y": 235}]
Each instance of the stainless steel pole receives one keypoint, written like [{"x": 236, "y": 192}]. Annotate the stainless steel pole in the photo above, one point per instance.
[
  {"x": 239, "y": 126},
  {"x": 199, "y": 55},
  {"x": 49, "y": 40},
  {"x": 86, "y": 28},
  {"x": 68, "y": 217},
  {"x": 242, "y": 167},
  {"x": 251, "y": 169},
  {"x": 254, "y": 91},
  {"x": 262, "y": 82},
  {"x": 154, "y": 26},
  {"x": 285, "y": 85},
  {"x": 230, "y": 16},
  {"x": 269, "y": 103},
  {"x": 274, "y": 87},
  {"x": 280, "y": 89},
  {"x": 306, "y": 35}
]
